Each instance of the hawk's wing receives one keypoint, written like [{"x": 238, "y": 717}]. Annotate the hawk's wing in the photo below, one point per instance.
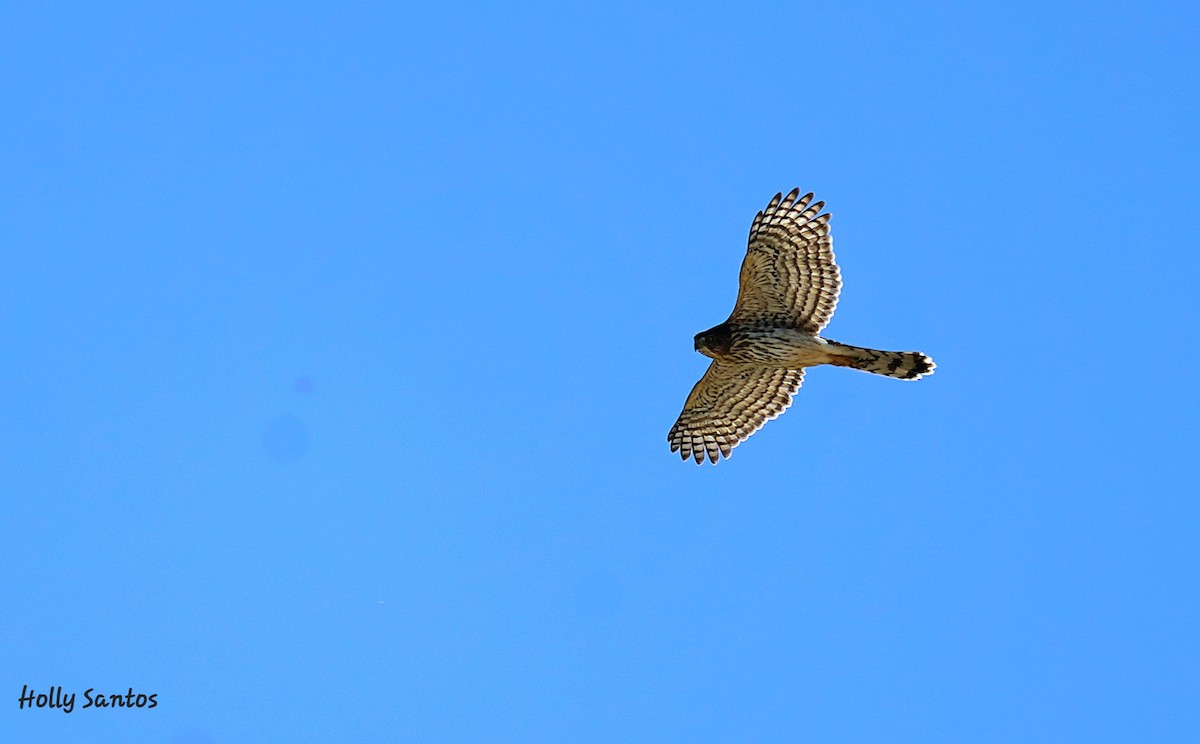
[
  {"x": 731, "y": 402},
  {"x": 789, "y": 276}
]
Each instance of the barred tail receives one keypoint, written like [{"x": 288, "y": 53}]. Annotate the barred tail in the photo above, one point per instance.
[{"x": 903, "y": 365}]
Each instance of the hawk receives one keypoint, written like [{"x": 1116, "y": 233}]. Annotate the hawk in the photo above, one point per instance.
[{"x": 787, "y": 292}]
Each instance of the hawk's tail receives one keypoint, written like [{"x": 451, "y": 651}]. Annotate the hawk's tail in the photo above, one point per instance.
[{"x": 903, "y": 365}]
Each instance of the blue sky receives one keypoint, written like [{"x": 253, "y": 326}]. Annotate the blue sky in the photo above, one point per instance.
[{"x": 341, "y": 343}]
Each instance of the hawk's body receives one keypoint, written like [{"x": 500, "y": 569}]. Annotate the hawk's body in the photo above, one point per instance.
[{"x": 788, "y": 290}]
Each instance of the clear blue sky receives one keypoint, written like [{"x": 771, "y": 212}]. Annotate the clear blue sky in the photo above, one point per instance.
[{"x": 340, "y": 344}]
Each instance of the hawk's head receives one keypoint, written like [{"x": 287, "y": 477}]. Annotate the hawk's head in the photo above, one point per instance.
[{"x": 715, "y": 341}]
